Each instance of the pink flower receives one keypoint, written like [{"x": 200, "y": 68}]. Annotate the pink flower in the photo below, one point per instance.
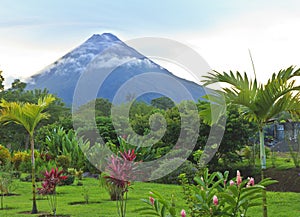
[
  {"x": 238, "y": 177},
  {"x": 231, "y": 182},
  {"x": 183, "y": 213},
  {"x": 151, "y": 199},
  {"x": 250, "y": 182},
  {"x": 215, "y": 200}
]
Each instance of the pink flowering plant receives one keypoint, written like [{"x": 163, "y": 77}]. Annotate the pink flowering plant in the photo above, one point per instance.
[
  {"x": 214, "y": 195},
  {"x": 160, "y": 206},
  {"x": 51, "y": 179}
]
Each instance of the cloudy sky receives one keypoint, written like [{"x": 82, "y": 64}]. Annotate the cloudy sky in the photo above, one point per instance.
[{"x": 33, "y": 33}]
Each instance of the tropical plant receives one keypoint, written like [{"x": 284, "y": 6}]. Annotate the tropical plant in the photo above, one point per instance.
[
  {"x": 85, "y": 194},
  {"x": 7, "y": 183},
  {"x": 59, "y": 142},
  {"x": 28, "y": 115},
  {"x": 51, "y": 180},
  {"x": 118, "y": 177},
  {"x": 4, "y": 155},
  {"x": 3, "y": 189},
  {"x": 18, "y": 157},
  {"x": 260, "y": 102},
  {"x": 160, "y": 206},
  {"x": 215, "y": 195}
]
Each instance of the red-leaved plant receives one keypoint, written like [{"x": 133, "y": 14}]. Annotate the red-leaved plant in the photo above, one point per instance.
[
  {"x": 51, "y": 180},
  {"x": 120, "y": 172}
]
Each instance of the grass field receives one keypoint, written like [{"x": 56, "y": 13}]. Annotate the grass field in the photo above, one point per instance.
[{"x": 280, "y": 204}]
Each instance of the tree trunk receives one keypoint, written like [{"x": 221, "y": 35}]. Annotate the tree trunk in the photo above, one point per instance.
[
  {"x": 263, "y": 167},
  {"x": 34, "y": 207},
  {"x": 262, "y": 149}
]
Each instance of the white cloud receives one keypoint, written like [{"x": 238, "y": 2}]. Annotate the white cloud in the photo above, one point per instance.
[{"x": 272, "y": 39}]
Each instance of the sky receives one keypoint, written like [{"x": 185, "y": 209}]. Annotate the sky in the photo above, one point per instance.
[{"x": 34, "y": 34}]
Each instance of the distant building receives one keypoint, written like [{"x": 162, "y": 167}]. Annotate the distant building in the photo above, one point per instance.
[{"x": 280, "y": 135}]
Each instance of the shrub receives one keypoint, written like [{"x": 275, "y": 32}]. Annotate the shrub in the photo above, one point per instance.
[
  {"x": 46, "y": 156},
  {"x": 51, "y": 179},
  {"x": 25, "y": 166},
  {"x": 43, "y": 166},
  {"x": 19, "y": 157},
  {"x": 22, "y": 160},
  {"x": 68, "y": 181},
  {"x": 172, "y": 178},
  {"x": 64, "y": 162},
  {"x": 4, "y": 155}
]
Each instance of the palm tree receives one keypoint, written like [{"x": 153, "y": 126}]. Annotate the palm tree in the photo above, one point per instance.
[
  {"x": 28, "y": 115},
  {"x": 260, "y": 102}
]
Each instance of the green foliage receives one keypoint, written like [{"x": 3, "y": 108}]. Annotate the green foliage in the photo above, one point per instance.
[
  {"x": 160, "y": 142},
  {"x": 237, "y": 133},
  {"x": 144, "y": 152},
  {"x": 7, "y": 183},
  {"x": 61, "y": 142},
  {"x": 63, "y": 161},
  {"x": 15, "y": 135},
  {"x": 283, "y": 204},
  {"x": 18, "y": 157},
  {"x": 24, "y": 158},
  {"x": 68, "y": 181},
  {"x": 259, "y": 103},
  {"x": 85, "y": 194},
  {"x": 186, "y": 167},
  {"x": 162, "y": 103},
  {"x": 4, "y": 155},
  {"x": 159, "y": 206},
  {"x": 42, "y": 166},
  {"x": 215, "y": 195},
  {"x": 106, "y": 129}
]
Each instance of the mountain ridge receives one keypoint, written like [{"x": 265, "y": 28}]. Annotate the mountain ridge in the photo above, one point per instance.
[{"x": 62, "y": 76}]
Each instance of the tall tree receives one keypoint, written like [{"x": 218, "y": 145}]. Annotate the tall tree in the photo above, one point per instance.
[
  {"x": 28, "y": 115},
  {"x": 260, "y": 102}
]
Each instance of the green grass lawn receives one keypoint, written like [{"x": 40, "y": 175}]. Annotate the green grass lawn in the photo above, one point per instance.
[{"x": 280, "y": 204}]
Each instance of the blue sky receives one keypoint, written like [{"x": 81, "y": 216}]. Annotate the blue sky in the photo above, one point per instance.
[{"x": 33, "y": 34}]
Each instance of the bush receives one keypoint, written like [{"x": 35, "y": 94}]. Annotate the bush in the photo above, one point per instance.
[
  {"x": 25, "y": 167},
  {"x": 172, "y": 178},
  {"x": 43, "y": 166},
  {"x": 4, "y": 155},
  {"x": 22, "y": 160},
  {"x": 19, "y": 157},
  {"x": 64, "y": 162},
  {"x": 68, "y": 181}
]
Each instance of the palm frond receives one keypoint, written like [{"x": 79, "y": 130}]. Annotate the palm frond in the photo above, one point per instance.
[
  {"x": 260, "y": 102},
  {"x": 25, "y": 114}
]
